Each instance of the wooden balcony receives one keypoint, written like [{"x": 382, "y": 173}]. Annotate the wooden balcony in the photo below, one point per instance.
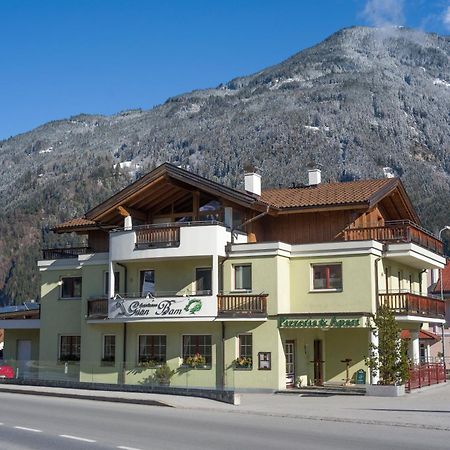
[
  {"x": 157, "y": 236},
  {"x": 97, "y": 308},
  {"x": 405, "y": 303},
  {"x": 397, "y": 231},
  {"x": 66, "y": 252},
  {"x": 242, "y": 305}
]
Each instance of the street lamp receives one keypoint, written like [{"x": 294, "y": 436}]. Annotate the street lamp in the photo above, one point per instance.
[{"x": 447, "y": 227}]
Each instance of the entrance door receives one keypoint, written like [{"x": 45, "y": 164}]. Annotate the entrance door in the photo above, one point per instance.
[
  {"x": 23, "y": 357},
  {"x": 147, "y": 282},
  {"x": 289, "y": 350},
  {"x": 318, "y": 363}
]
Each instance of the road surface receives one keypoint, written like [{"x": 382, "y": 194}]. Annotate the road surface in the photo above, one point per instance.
[{"x": 33, "y": 422}]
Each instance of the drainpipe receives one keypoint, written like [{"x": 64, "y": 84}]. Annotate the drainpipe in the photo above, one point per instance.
[
  {"x": 253, "y": 219},
  {"x": 124, "y": 355},
  {"x": 223, "y": 355}
]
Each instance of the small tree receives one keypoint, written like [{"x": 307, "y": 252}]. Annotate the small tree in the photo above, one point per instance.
[{"x": 391, "y": 359}]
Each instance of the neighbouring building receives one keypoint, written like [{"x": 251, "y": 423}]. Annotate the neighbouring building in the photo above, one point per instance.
[
  {"x": 238, "y": 289},
  {"x": 442, "y": 291}
]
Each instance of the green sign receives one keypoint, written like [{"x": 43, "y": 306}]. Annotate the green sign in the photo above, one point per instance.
[
  {"x": 321, "y": 322},
  {"x": 361, "y": 376}
]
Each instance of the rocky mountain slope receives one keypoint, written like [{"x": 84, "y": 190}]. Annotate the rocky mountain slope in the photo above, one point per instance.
[{"x": 361, "y": 100}]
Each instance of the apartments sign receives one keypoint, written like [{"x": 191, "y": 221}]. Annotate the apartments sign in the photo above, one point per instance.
[
  {"x": 161, "y": 307},
  {"x": 320, "y": 322}
]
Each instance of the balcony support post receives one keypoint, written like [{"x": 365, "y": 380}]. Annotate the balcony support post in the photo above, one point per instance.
[
  {"x": 414, "y": 347},
  {"x": 215, "y": 276},
  {"x": 373, "y": 336}
]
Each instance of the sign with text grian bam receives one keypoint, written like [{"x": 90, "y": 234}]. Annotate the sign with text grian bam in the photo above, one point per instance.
[
  {"x": 321, "y": 322},
  {"x": 161, "y": 307}
]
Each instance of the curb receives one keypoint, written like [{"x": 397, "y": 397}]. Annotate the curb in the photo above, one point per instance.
[{"x": 99, "y": 398}]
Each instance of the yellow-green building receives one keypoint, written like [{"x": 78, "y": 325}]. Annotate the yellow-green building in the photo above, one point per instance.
[{"x": 238, "y": 289}]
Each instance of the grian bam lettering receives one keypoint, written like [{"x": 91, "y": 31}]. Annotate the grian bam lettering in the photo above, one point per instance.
[{"x": 163, "y": 308}]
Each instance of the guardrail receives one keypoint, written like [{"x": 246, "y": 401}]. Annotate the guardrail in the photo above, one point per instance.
[
  {"x": 66, "y": 252},
  {"x": 397, "y": 231},
  {"x": 413, "y": 304},
  {"x": 425, "y": 374},
  {"x": 242, "y": 305}
]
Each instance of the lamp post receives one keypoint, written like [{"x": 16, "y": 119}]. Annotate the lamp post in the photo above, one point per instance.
[{"x": 447, "y": 227}]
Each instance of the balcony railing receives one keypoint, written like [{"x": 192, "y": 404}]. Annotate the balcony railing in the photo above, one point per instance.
[
  {"x": 242, "y": 305},
  {"x": 97, "y": 308},
  {"x": 164, "y": 235},
  {"x": 397, "y": 231},
  {"x": 405, "y": 303},
  {"x": 66, "y": 252}
]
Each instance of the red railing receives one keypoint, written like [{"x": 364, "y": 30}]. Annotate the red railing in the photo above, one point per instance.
[
  {"x": 250, "y": 305},
  {"x": 397, "y": 231},
  {"x": 426, "y": 374},
  {"x": 61, "y": 253},
  {"x": 413, "y": 304}
]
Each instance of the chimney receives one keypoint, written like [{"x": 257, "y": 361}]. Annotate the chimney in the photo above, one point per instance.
[
  {"x": 314, "y": 177},
  {"x": 252, "y": 182}
]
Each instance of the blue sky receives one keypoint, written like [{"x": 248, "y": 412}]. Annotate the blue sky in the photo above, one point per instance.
[{"x": 64, "y": 57}]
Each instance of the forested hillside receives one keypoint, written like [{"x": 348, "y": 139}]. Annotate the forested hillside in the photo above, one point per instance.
[{"x": 361, "y": 100}]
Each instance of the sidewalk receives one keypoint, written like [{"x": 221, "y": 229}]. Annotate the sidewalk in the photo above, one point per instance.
[{"x": 428, "y": 409}]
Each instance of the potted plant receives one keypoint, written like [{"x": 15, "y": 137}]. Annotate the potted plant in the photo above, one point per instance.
[
  {"x": 195, "y": 361},
  {"x": 163, "y": 374},
  {"x": 388, "y": 358},
  {"x": 242, "y": 363}
]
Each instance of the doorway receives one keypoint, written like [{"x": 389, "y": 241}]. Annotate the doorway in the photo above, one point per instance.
[
  {"x": 289, "y": 350},
  {"x": 23, "y": 357},
  {"x": 318, "y": 362}
]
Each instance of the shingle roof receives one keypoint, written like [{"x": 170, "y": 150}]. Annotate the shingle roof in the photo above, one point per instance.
[
  {"x": 326, "y": 194},
  {"x": 74, "y": 224},
  {"x": 445, "y": 280}
]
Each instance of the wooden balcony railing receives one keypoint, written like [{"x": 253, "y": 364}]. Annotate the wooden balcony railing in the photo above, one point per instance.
[
  {"x": 157, "y": 236},
  {"x": 67, "y": 252},
  {"x": 397, "y": 231},
  {"x": 405, "y": 303},
  {"x": 245, "y": 305},
  {"x": 97, "y": 308}
]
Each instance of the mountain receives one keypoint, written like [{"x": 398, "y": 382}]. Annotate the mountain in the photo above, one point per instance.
[{"x": 361, "y": 100}]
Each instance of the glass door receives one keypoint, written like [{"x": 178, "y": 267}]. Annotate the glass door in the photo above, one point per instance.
[{"x": 289, "y": 350}]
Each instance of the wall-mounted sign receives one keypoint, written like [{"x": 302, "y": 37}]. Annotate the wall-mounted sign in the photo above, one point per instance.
[
  {"x": 161, "y": 307},
  {"x": 321, "y": 322},
  {"x": 264, "y": 360}
]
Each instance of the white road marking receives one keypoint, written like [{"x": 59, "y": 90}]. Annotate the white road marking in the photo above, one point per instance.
[
  {"x": 76, "y": 438},
  {"x": 127, "y": 448},
  {"x": 28, "y": 429}
]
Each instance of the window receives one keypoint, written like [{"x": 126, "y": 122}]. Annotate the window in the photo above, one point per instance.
[
  {"x": 243, "y": 277},
  {"x": 197, "y": 345},
  {"x": 71, "y": 287},
  {"x": 116, "y": 283},
  {"x": 203, "y": 281},
  {"x": 69, "y": 348},
  {"x": 109, "y": 348},
  {"x": 327, "y": 277},
  {"x": 152, "y": 348},
  {"x": 245, "y": 346},
  {"x": 147, "y": 282}
]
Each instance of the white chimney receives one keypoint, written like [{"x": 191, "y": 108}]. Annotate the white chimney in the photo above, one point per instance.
[
  {"x": 314, "y": 177},
  {"x": 253, "y": 183}
]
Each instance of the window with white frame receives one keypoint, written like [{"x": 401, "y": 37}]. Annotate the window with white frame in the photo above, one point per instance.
[
  {"x": 327, "y": 277},
  {"x": 245, "y": 346},
  {"x": 71, "y": 287},
  {"x": 243, "y": 277},
  {"x": 152, "y": 348},
  {"x": 69, "y": 348},
  {"x": 197, "y": 345},
  {"x": 116, "y": 283},
  {"x": 109, "y": 348}
]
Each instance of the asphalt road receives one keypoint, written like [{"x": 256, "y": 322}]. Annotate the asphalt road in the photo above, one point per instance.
[{"x": 30, "y": 422}]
